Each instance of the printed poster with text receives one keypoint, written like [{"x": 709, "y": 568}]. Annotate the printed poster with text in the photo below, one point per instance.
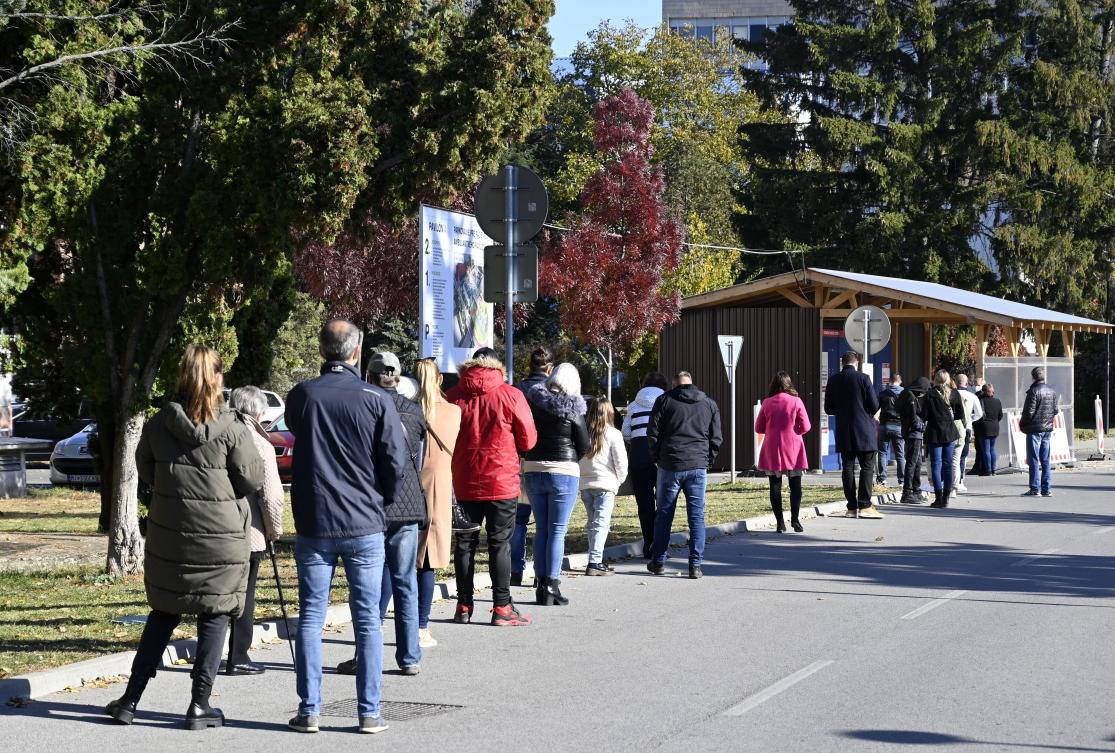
[{"x": 454, "y": 320}]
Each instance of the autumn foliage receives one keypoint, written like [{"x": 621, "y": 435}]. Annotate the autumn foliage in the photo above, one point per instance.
[{"x": 607, "y": 271}]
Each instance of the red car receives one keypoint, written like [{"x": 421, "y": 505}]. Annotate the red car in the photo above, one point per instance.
[{"x": 283, "y": 442}]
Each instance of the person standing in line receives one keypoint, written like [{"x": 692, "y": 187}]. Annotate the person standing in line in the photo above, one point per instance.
[
  {"x": 352, "y": 456},
  {"x": 644, "y": 473},
  {"x": 987, "y": 429},
  {"x": 972, "y": 413},
  {"x": 684, "y": 439},
  {"x": 913, "y": 434},
  {"x": 1038, "y": 412},
  {"x": 541, "y": 366},
  {"x": 199, "y": 460},
  {"x": 552, "y": 473},
  {"x": 851, "y": 398},
  {"x": 405, "y": 512},
  {"x": 939, "y": 410},
  {"x": 443, "y": 422},
  {"x": 266, "y": 505},
  {"x": 890, "y": 430},
  {"x": 782, "y": 421},
  {"x": 603, "y": 469},
  {"x": 496, "y": 426}
]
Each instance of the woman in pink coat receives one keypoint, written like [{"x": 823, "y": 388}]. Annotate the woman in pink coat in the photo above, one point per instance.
[{"x": 783, "y": 420}]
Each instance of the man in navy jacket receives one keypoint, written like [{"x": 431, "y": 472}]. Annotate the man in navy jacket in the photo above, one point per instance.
[
  {"x": 852, "y": 399},
  {"x": 349, "y": 456}
]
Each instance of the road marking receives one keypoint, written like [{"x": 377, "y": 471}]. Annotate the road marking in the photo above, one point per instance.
[
  {"x": 782, "y": 685},
  {"x": 1032, "y": 557},
  {"x": 1109, "y": 529},
  {"x": 932, "y": 605}
]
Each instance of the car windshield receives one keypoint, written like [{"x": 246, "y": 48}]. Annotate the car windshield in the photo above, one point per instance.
[
  {"x": 279, "y": 424},
  {"x": 272, "y": 400}
]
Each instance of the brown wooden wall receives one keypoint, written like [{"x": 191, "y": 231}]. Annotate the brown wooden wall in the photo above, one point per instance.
[
  {"x": 774, "y": 339},
  {"x": 909, "y": 361}
]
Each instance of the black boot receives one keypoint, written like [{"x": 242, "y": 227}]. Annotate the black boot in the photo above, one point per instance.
[
  {"x": 795, "y": 512},
  {"x": 123, "y": 709},
  {"x": 940, "y": 498},
  {"x": 776, "y": 502},
  {"x": 553, "y": 589},
  {"x": 200, "y": 715},
  {"x": 541, "y": 595}
]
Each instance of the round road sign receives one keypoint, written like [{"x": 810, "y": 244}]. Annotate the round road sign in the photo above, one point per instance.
[
  {"x": 867, "y": 322},
  {"x": 532, "y": 204}
]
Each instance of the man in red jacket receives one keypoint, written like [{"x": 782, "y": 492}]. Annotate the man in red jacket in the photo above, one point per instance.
[{"x": 496, "y": 426}]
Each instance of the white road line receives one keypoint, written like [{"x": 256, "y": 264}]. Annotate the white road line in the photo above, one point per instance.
[
  {"x": 784, "y": 684},
  {"x": 1108, "y": 529},
  {"x": 1032, "y": 557},
  {"x": 932, "y": 605}
]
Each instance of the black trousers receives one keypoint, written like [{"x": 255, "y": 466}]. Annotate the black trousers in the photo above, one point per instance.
[
  {"x": 911, "y": 483},
  {"x": 644, "y": 479},
  {"x": 498, "y": 517},
  {"x": 776, "y": 498},
  {"x": 866, "y": 460},
  {"x": 210, "y": 644},
  {"x": 240, "y": 631}
]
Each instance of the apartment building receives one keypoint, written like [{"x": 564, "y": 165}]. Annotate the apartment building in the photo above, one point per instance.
[{"x": 724, "y": 19}]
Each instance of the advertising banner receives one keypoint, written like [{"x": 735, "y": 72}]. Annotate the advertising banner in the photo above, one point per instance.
[
  {"x": 1101, "y": 429},
  {"x": 453, "y": 318},
  {"x": 1059, "y": 451}
]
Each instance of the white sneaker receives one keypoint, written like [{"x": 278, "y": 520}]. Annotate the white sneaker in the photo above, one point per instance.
[
  {"x": 425, "y": 640},
  {"x": 961, "y": 488},
  {"x": 952, "y": 494}
]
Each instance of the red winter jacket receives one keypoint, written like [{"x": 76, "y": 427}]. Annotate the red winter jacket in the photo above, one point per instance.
[{"x": 496, "y": 426}]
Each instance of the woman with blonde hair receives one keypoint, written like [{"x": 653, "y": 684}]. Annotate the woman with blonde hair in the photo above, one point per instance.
[
  {"x": 199, "y": 460},
  {"x": 938, "y": 409},
  {"x": 443, "y": 423},
  {"x": 603, "y": 470},
  {"x": 552, "y": 473}
]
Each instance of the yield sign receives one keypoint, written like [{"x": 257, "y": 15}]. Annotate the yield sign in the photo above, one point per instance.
[{"x": 730, "y": 346}]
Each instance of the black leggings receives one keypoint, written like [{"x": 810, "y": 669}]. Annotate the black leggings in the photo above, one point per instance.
[{"x": 776, "y": 497}]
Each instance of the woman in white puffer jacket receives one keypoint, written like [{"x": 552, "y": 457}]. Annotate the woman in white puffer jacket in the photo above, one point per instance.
[{"x": 603, "y": 470}]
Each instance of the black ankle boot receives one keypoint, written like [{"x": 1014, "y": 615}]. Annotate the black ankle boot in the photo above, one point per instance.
[
  {"x": 553, "y": 589},
  {"x": 200, "y": 715},
  {"x": 123, "y": 709},
  {"x": 796, "y": 525},
  {"x": 541, "y": 595}
]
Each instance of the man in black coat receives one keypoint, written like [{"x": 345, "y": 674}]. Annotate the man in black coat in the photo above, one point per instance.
[
  {"x": 541, "y": 366},
  {"x": 1038, "y": 413},
  {"x": 852, "y": 399}
]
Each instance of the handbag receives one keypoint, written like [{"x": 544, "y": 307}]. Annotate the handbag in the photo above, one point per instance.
[{"x": 462, "y": 523}]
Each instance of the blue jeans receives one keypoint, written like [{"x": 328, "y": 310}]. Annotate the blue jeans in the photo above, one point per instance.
[
  {"x": 552, "y": 496},
  {"x": 891, "y": 445},
  {"x": 519, "y": 539},
  {"x": 940, "y": 466},
  {"x": 670, "y": 485},
  {"x": 317, "y": 561},
  {"x": 599, "y": 505},
  {"x": 988, "y": 456},
  {"x": 1037, "y": 452},
  {"x": 400, "y": 581}
]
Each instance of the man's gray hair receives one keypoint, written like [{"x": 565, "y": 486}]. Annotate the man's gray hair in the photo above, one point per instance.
[
  {"x": 338, "y": 339},
  {"x": 248, "y": 400},
  {"x": 1038, "y": 373}
]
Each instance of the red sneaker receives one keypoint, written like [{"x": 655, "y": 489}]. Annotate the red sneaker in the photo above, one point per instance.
[
  {"x": 509, "y": 616},
  {"x": 463, "y": 615}
]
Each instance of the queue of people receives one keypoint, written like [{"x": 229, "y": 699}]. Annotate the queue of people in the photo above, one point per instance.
[{"x": 383, "y": 483}]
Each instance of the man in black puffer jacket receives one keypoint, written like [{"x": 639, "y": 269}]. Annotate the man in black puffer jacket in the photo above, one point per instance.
[
  {"x": 684, "y": 439},
  {"x": 1038, "y": 413}
]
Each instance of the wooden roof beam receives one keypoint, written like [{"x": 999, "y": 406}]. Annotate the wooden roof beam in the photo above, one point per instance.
[{"x": 794, "y": 298}]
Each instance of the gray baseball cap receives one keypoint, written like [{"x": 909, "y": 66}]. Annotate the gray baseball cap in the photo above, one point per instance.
[{"x": 385, "y": 363}]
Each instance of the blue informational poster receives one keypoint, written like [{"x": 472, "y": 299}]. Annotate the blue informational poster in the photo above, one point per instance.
[{"x": 833, "y": 347}]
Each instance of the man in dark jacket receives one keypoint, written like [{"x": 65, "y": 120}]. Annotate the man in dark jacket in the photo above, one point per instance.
[
  {"x": 684, "y": 438},
  {"x": 890, "y": 429},
  {"x": 1038, "y": 413},
  {"x": 987, "y": 430},
  {"x": 541, "y": 366},
  {"x": 913, "y": 432},
  {"x": 405, "y": 511},
  {"x": 851, "y": 398},
  {"x": 351, "y": 456}
]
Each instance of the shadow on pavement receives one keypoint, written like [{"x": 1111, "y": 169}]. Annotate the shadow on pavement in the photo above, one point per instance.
[{"x": 915, "y": 737}]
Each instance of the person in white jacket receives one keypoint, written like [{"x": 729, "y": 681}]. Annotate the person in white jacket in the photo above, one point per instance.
[
  {"x": 644, "y": 473},
  {"x": 973, "y": 412},
  {"x": 603, "y": 470}
]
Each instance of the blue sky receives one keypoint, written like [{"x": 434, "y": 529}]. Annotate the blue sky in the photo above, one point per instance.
[{"x": 575, "y": 18}]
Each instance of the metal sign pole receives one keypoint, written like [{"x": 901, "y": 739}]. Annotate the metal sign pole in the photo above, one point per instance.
[
  {"x": 510, "y": 335},
  {"x": 732, "y": 386},
  {"x": 867, "y": 345}
]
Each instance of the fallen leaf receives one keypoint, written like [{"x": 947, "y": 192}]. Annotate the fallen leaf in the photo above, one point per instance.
[
  {"x": 61, "y": 628},
  {"x": 181, "y": 662},
  {"x": 878, "y": 538}
]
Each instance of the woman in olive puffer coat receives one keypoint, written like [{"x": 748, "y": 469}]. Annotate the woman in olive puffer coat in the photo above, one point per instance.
[{"x": 200, "y": 462}]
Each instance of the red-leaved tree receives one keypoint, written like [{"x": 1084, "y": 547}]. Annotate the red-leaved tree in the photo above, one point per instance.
[{"x": 607, "y": 272}]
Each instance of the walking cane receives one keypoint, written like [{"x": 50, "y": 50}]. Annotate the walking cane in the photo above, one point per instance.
[{"x": 282, "y": 602}]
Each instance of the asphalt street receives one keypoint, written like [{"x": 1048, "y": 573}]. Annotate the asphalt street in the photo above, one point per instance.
[{"x": 984, "y": 627}]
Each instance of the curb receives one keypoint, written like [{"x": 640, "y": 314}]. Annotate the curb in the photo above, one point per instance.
[{"x": 76, "y": 675}]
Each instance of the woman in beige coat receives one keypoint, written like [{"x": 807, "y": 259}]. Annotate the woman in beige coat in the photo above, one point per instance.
[
  {"x": 266, "y": 505},
  {"x": 443, "y": 422}
]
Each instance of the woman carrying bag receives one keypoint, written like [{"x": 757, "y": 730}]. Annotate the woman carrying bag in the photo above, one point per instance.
[
  {"x": 939, "y": 409},
  {"x": 782, "y": 421}
]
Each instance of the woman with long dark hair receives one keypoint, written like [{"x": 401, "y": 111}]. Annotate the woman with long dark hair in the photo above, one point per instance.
[
  {"x": 199, "y": 460},
  {"x": 782, "y": 421}
]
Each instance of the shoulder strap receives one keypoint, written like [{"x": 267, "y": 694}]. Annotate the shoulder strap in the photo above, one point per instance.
[{"x": 432, "y": 433}]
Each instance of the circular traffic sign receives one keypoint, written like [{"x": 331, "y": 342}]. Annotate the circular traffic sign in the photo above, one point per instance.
[
  {"x": 532, "y": 204},
  {"x": 867, "y": 330}
]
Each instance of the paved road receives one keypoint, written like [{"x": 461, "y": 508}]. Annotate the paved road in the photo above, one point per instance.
[{"x": 982, "y": 628}]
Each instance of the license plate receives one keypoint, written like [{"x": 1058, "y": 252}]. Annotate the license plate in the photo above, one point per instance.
[{"x": 84, "y": 479}]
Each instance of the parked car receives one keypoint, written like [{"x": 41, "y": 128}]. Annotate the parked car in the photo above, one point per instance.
[
  {"x": 37, "y": 423},
  {"x": 275, "y": 406},
  {"x": 70, "y": 461},
  {"x": 283, "y": 441}
]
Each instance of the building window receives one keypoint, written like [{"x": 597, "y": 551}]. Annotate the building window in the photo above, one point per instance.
[
  {"x": 705, "y": 33},
  {"x": 739, "y": 32}
]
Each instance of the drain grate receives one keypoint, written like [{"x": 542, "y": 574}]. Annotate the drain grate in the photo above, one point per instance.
[{"x": 392, "y": 711}]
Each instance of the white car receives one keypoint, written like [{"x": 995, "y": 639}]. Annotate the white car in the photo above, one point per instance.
[
  {"x": 70, "y": 462},
  {"x": 275, "y": 408}
]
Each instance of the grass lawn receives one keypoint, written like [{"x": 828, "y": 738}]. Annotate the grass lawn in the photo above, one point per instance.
[{"x": 55, "y": 617}]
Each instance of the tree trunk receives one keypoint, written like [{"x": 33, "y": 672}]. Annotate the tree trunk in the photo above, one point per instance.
[{"x": 125, "y": 545}]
